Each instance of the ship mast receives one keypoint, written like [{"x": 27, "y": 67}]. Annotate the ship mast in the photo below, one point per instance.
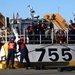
[
  {"x": 74, "y": 17},
  {"x": 32, "y": 13}
]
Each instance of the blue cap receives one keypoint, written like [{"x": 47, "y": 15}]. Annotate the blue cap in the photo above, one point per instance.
[
  {"x": 13, "y": 37},
  {"x": 32, "y": 23}
]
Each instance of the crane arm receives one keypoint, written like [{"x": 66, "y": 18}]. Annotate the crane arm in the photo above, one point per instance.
[{"x": 58, "y": 20}]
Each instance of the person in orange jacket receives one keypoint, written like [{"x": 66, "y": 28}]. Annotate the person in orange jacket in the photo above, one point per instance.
[
  {"x": 11, "y": 52},
  {"x": 24, "y": 53}
]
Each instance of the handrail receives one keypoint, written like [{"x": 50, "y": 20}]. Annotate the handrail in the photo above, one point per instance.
[{"x": 41, "y": 38}]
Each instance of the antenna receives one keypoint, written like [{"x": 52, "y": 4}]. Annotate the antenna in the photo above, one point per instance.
[
  {"x": 74, "y": 17},
  {"x": 58, "y": 10},
  {"x": 32, "y": 12}
]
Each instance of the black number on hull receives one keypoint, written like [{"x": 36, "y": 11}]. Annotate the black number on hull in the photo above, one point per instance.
[
  {"x": 42, "y": 54},
  {"x": 53, "y": 52},
  {"x": 66, "y": 52}
]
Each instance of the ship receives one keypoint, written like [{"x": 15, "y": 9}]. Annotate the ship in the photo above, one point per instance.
[{"x": 55, "y": 49}]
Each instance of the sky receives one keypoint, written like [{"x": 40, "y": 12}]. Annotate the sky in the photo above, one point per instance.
[{"x": 65, "y": 8}]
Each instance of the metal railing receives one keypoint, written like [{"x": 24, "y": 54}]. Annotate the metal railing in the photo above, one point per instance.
[{"x": 45, "y": 39}]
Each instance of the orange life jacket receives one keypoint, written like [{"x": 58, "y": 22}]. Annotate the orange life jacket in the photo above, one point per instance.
[
  {"x": 22, "y": 45},
  {"x": 11, "y": 45},
  {"x": 30, "y": 29}
]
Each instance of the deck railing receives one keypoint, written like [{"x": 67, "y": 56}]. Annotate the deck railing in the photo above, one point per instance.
[{"x": 53, "y": 38}]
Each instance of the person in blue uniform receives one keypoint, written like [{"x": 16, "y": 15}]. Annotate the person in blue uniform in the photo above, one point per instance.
[
  {"x": 37, "y": 31},
  {"x": 30, "y": 29},
  {"x": 24, "y": 53},
  {"x": 11, "y": 53},
  {"x": 71, "y": 31}
]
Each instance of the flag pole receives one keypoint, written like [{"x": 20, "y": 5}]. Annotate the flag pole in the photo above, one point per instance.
[{"x": 58, "y": 10}]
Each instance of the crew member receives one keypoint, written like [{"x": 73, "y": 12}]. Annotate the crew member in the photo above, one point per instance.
[
  {"x": 24, "y": 52},
  {"x": 30, "y": 31},
  {"x": 11, "y": 52},
  {"x": 6, "y": 49},
  {"x": 43, "y": 28},
  {"x": 1, "y": 43},
  {"x": 37, "y": 31}
]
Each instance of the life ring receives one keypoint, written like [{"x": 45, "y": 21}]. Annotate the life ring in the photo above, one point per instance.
[{"x": 60, "y": 35}]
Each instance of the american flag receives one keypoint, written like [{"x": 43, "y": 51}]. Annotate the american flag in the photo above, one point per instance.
[{"x": 17, "y": 15}]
